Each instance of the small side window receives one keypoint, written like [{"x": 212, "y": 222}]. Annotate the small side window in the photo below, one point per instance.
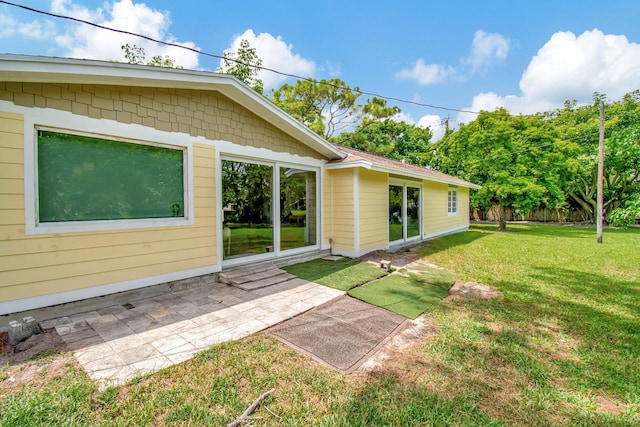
[{"x": 452, "y": 203}]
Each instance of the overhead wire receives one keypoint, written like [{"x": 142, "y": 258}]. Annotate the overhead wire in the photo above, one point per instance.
[
  {"x": 443, "y": 122},
  {"x": 212, "y": 55}
]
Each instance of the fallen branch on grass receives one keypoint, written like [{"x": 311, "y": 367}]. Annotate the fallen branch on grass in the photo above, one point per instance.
[{"x": 245, "y": 415}]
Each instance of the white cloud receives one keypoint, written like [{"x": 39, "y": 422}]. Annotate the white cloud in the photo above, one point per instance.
[
  {"x": 84, "y": 41},
  {"x": 426, "y": 74},
  {"x": 486, "y": 48},
  {"x": 37, "y": 30},
  {"x": 275, "y": 54},
  {"x": 433, "y": 122},
  {"x": 570, "y": 67}
]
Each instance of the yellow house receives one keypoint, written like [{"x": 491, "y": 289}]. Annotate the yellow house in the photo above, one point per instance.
[
  {"x": 372, "y": 202},
  {"x": 116, "y": 176}
]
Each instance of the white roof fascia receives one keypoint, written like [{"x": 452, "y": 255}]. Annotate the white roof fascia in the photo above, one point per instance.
[
  {"x": 349, "y": 165},
  {"x": 424, "y": 177},
  {"x": 397, "y": 171},
  {"x": 41, "y": 69}
]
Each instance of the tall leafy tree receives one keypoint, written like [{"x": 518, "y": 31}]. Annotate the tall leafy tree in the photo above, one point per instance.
[
  {"x": 244, "y": 64},
  {"x": 329, "y": 107},
  {"x": 395, "y": 140},
  {"x": 622, "y": 151},
  {"x": 516, "y": 160}
]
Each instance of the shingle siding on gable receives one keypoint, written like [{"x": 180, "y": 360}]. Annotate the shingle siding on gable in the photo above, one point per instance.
[{"x": 207, "y": 114}]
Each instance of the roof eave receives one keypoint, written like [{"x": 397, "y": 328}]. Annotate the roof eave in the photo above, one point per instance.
[{"x": 396, "y": 171}]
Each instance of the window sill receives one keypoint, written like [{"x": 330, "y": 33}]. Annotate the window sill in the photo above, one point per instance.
[{"x": 105, "y": 225}]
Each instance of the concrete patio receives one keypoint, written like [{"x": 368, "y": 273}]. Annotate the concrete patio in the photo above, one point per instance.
[{"x": 115, "y": 341}]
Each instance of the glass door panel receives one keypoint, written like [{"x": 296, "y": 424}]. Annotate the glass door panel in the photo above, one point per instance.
[
  {"x": 395, "y": 213},
  {"x": 246, "y": 199},
  {"x": 413, "y": 212},
  {"x": 297, "y": 208}
]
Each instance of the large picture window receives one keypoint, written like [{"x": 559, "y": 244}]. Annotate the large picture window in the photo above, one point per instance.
[{"x": 85, "y": 178}]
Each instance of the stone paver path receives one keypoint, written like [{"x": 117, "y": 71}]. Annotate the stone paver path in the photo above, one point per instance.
[{"x": 118, "y": 342}]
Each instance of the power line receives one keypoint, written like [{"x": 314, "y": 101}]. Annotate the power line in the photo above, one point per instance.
[{"x": 212, "y": 55}]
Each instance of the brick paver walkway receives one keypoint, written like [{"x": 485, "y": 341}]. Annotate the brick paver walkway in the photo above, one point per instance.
[{"x": 118, "y": 342}]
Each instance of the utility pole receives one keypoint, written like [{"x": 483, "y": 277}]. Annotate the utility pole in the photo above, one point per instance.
[{"x": 600, "y": 219}]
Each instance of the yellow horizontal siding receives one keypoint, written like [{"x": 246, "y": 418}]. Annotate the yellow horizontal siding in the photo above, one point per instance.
[
  {"x": 28, "y": 262},
  {"x": 327, "y": 206},
  {"x": 70, "y": 283},
  {"x": 12, "y": 217},
  {"x": 12, "y": 155},
  {"x": 78, "y": 241},
  {"x": 373, "y": 197},
  {"x": 112, "y": 261},
  {"x": 342, "y": 213},
  {"x": 12, "y": 186},
  {"x": 436, "y": 216},
  {"x": 9, "y": 170},
  {"x": 36, "y": 265}
]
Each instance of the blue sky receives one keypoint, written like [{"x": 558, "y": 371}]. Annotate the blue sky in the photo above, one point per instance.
[{"x": 464, "y": 55}]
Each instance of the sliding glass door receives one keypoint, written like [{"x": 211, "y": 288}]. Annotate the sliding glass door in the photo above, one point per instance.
[
  {"x": 395, "y": 213},
  {"x": 267, "y": 208},
  {"x": 404, "y": 212},
  {"x": 247, "y": 190},
  {"x": 297, "y": 208}
]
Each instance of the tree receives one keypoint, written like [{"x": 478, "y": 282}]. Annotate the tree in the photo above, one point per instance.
[
  {"x": 394, "y": 140},
  {"x": 622, "y": 151},
  {"x": 516, "y": 160},
  {"x": 329, "y": 107},
  {"x": 244, "y": 64},
  {"x": 137, "y": 55}
]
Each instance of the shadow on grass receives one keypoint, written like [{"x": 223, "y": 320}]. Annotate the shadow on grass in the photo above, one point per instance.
[
  {"x": 599, "y": 313},
  {"x": 512, "y": 373},
  {"x": 388, "y": 400},
  {"x": 449, "y": 241}
]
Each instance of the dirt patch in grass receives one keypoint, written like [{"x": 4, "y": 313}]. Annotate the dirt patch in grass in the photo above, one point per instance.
[
  {"x": 462, "y": 289},
  {"x": 412, "y": 335},
  {"x": 399, "y": 258},
  {"x": 36, "y": 360}
]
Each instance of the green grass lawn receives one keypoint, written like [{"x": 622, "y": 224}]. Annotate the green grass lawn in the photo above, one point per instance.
[
  {"x": 343, "y": 274},
  {"x": 407, "y": 293},
  {"x": 561, "y": 348}
]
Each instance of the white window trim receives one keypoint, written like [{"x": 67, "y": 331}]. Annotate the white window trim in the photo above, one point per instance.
[
  {"x": 65, "y": 122},
  {"x": 457, "y": 194}
]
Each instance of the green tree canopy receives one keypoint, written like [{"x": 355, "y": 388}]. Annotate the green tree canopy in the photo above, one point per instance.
[
  {"x": 519, "y": 162},
  {"x": 244, "y": 64},
  {"x": 580, "y": 125},
  {"x": 394, "y": 140},
  {"x": 329, "y": 107}
]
